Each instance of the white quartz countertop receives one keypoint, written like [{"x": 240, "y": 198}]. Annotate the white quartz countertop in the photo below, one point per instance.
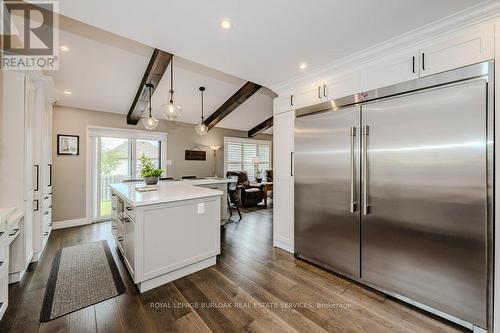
[{"x": 168, "y": 191}]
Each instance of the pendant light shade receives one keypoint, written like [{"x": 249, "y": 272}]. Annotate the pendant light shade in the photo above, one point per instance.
[
  {"x": 201, "y": 128},
  {"x": 150, "y": 123},
  {"x": 171, "y": 110}
]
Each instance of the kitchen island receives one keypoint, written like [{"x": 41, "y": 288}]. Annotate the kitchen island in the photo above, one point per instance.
[{"x": 167, "y": 233}]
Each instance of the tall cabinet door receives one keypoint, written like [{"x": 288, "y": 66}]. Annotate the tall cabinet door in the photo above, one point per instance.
[
  {"x": 327, "y": 189},
  {"x": 283, "y": 180},
  {"x": 424, "y": 235}
]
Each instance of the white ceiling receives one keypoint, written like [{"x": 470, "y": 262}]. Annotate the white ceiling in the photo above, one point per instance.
[
  {"x": 103, "y": 72},
  {"x": 269, "y": 38}
]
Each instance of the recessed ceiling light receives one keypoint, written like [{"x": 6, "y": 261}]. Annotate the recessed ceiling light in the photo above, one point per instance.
[
  {"x": 303, "y": 65},
  {"x": 64, "y": 48},
  {"x": 225, "y": 24},
  {"x": 67, "y": 92}
]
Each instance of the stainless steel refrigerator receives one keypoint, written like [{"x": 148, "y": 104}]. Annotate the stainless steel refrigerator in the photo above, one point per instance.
[{"x": 393, "y": 188}]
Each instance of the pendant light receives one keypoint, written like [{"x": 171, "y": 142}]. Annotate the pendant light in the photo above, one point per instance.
[
  {"x": 171, "y": 110},
  {"x": 201, "y": 128},
  {"x": 150, "y": 123}
]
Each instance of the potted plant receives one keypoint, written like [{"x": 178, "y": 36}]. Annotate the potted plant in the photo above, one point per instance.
[{"x": 150, "y": 174}]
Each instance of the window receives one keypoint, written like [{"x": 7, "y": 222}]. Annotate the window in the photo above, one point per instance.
[
  {"x": 115, "y": 157},
  {"x": 240, "y": 154}
]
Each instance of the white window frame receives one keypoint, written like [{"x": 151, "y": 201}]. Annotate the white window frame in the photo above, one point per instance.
[
  {"x": 228, "y": 139},
  {"x": 92, "y": 157}
]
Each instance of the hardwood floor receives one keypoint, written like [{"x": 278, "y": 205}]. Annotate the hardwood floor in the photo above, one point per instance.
[{"x": 253, "y": 287}]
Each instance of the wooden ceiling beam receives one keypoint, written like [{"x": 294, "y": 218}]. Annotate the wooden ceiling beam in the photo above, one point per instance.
[
  {"x": 154, "y": 72},
  {"x": 232, "y": 103},
  {"x": 268, "y": 123}
]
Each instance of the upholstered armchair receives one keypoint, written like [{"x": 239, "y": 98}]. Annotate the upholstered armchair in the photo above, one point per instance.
[
  {"x": 268, "y": 176},
  {"x": 249, "y": 195}
]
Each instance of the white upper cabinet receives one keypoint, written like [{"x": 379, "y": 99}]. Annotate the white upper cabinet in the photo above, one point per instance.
[
  {"x": 282, "y": 104},
  {"x": 309, "y": 95},
  {"x": 341, "y": 85},
  {"x": 456, "y": 50},
  {"x": 393, "y": 69}
]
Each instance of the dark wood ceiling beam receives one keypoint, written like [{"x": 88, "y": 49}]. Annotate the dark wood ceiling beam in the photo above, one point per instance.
[
  {"x": 268, "y": 123},
  {"x": 154, "y": 72},
  {"x": 232, "y": 103}
]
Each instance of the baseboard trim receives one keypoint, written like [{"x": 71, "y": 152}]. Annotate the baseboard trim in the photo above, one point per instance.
[
  {"x": 16, "y": 276},
  {"x": 284, "y": 246},
  {"x": 70, "y": 223}
]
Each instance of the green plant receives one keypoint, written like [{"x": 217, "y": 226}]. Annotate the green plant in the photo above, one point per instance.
[{"x": 147, "y": 169}]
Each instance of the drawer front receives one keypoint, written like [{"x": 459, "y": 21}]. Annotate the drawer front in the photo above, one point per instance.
[
  {"x": 114, "y": 201},
  {"x": 4, "y": 249},
  {"x": 130, "y": 211}
]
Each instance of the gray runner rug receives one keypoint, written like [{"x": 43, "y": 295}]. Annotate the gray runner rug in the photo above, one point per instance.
[{"x": 81, "y": 276}]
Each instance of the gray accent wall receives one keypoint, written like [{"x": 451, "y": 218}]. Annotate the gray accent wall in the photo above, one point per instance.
[{"x": 69, "y": 183}]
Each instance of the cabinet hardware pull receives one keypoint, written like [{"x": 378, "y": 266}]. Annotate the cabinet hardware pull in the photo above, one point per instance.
[
  {"x": 50, "y": 206},
  {"x": 129, "y": 208},
  {"x": 291, "y": 163},
  {"x": 46, "y": 213},
  {"x": 291, "y": 100},
  {"x": 50, "y": 174},
  {"x": 365, "y": 169},
  {"x": 121, "y": 239},
  {"x": 319, "y": 92},
  {"x": 324, "y": 90},
  {"x": 37, "y": 167},
  {"x": 413, "y": 64},
  {"x": 353, "y": 204},
  {"x": 14, "y": 231},
  {"x": 114, "y": 227},
  {"x": 423, "y": 61},
  {"x": 37, "y": 204},
  {"x": 50, "y": 224},
  {"x": 46, "y": 233},
  {"x": 45, "y": 198}
]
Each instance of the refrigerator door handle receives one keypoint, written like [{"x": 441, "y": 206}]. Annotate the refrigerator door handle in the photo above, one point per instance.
[
  {"x": 353, "y": 204},
  {"x": 365, "y": 169}
]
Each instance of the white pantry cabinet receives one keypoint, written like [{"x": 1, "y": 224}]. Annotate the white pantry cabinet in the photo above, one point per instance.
[
  {"x": 283, "y": 137},
  {"x": 43, "y": 169},
  {"x": 25, "y": 134},
  {"x": 459, "y": 49},
  {"x": 16, "y": 163}
]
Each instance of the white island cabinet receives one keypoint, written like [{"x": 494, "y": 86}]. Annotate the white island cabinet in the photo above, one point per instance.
[{"x": 168, "y": 233}]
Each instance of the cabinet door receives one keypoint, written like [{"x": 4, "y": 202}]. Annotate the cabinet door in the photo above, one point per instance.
[
  {"x": 457, "y": 50},
  {"x": 282, "y": 104},
  {"x": 130, "y": 243},
  {"x": 29, "y": 130},
  {"x": 283, "y": 133},
  {"x": 341, "y": 85},
  {"x": 310, "y": 96},
  {"x": 390, "y": 70}
]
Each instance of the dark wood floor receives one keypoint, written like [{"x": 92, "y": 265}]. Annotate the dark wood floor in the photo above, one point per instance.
[{"x": 253, "y": 287}]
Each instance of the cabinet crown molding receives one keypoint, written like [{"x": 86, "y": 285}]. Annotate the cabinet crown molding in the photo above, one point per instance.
[{"x": 469, "y": 17}]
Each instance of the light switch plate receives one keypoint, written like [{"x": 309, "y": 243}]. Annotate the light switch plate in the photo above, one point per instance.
[{"x": 201, "y": 208}]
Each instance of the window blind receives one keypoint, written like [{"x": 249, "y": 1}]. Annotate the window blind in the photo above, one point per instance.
[{"x": 240, "y": 154}]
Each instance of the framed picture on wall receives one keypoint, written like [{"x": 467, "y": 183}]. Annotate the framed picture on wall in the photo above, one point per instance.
[{"x": 68, "y": 144}]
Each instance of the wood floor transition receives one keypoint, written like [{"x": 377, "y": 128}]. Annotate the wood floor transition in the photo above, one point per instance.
[{"x": 253, "y": 287}]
